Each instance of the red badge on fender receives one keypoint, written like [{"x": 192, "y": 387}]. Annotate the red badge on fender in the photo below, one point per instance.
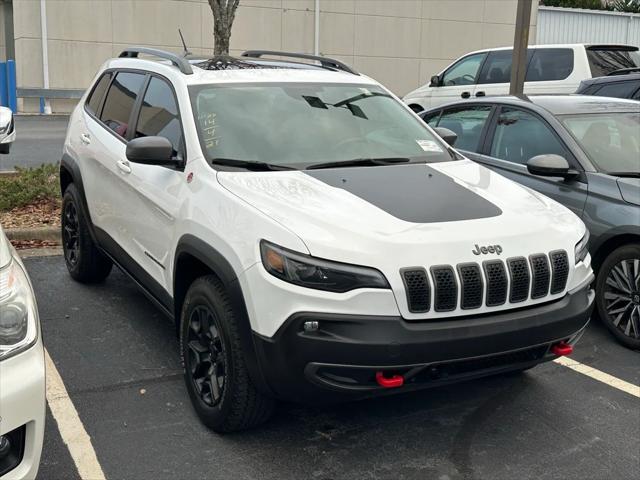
[{"x": 190, "y": 177}]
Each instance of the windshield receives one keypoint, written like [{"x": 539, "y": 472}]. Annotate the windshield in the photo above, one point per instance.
[
  {"x": 302, "y": 124},
  {"x": 611, "y": 140}
]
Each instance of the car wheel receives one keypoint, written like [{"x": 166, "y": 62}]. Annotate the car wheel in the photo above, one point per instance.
[
  {"x": 5, "y": 148},
  {"x": 618, "y": 294},
  {"x": 215, "y": 370},
  {"x": 85, "y": 262}
]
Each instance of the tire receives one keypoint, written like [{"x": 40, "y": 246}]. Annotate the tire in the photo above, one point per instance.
[
  {"x": 215, "y": 370},
  {"x": 5, "y": 148},
  {"x": 85, "y": 262},
  {"x": 618, "y": 304}
]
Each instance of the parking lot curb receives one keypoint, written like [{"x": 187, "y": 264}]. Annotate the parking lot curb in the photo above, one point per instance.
[{"x": 43, "y": 234}]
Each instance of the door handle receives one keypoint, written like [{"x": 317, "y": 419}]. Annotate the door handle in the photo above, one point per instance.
[
  {"x": 465, "y": 94},
  {"x": 85, "y": 138},
  {"x": 123, "y": 166},
  {"x": 480, "y": 94}
]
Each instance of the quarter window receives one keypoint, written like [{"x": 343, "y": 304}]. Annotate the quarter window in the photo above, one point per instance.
[
  {"x": 548, "y": 64},
  {"x": 618, "y": 89},
  {"x": 464, "y": 72},
  {"x": 467, "y": 123},
  {"x": 93, "y": 103},
  {"x": 120, "y": 101},
  {"x": 159, "y": 114},
  {"x": 520, "y": 136}
]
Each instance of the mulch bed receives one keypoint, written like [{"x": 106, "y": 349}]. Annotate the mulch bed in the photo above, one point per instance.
[
  {"x": 41, "y": 213},
  {"x": 29, "y": 244}
]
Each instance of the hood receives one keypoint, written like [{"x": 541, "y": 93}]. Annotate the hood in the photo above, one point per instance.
[
  {"x": 630, "y": 189},
  {"x": 404, "y": 215}
]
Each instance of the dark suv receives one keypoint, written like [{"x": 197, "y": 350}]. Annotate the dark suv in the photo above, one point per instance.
[
  {"x": 625, "y": 85},
  {"x": 583, "y": 152}
]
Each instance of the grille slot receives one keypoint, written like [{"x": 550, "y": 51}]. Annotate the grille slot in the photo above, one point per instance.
[
  {"x": 417, "y": 288},
  {"x": 496, "y": 276},
  {"x": 559, "y": 270},
  {"x": 445, "y": 288},
  {"x": 519, "y": 274},
  {"x": 471, "y": 285},
  {"x": 541, "y": 275}
]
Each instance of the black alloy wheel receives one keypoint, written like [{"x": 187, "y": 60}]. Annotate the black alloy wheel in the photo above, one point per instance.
[
  {"x": 206, "y": 356},
  {"x": 70, "y": 234},
  {"x": 622, "y": 297}
]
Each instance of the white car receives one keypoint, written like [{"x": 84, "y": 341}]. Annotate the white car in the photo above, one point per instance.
[
  {"x": 311, "y": 237},
  {"x": 22, "y": 378},
  {"x": 7, "y": 129},
  {"x": 551, "y": 69}
]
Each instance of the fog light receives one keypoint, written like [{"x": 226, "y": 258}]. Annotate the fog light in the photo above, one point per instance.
[
  {"x": 311, "y": 326},
  {"x": 5, "y": 446}
]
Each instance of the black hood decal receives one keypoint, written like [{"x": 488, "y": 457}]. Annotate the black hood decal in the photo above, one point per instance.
[{"x": 414, "y": 193}]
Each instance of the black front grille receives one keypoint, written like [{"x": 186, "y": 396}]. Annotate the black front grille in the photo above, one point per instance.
[
  {"x": 559, "y": 270},
  {"x": 541, "y": 275},
  {"x": 496, "y": 276},
  {"x": 519, "y": 274},
  {"x": 471, "y": 285},
  {"x": 417, "y": 288},
  {"x": 446, "y": 288}
]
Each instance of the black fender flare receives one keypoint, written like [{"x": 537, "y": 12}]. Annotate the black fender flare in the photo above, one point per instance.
[
  {"x": 220, "y": 266},
  {"x": 69, "y": 164}
]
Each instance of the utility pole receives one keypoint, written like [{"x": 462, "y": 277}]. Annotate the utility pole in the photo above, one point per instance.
[{"x": 520, "y": 43}]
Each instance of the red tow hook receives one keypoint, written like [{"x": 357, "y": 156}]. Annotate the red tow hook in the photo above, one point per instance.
[
  {"x": 394, "y": 382},
  {"x": 561, "y": 349}
]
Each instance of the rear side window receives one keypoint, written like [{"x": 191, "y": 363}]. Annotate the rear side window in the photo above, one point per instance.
[
  {"x": 467, "y": 123},
  {"x": 618, "y": 89},
  {"x": 548, "y": 64},
  {"x": 95, "y": 99},
  {"x": 120, "y": 100},
  {"x": 497, "y": 68},
  {"x": 159, "y": 114},
  {"x": 520, "y": 135},
  {"x": 603, "y": 61}
]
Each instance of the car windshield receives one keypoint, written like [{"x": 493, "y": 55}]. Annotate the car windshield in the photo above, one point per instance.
[
  {"x": 611, "y": 140},
  {"x": 303, "y": 124}
]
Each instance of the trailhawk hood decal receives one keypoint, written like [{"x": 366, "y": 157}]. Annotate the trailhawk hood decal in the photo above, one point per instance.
[{"x": 350, "y": 214}]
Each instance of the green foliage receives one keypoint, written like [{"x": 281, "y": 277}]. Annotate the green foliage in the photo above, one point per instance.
[
  {"x": 631, "y": 6},
  {"x": 29, "y": 185},
  {"x": 588, "y": 4}
]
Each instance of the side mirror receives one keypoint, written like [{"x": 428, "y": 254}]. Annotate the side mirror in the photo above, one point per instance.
[
  {"x": 550, "y": 165},
  {"x": 447, "y": 135},
  {"x": 151, "y": 151},
  {"x": 436, "y": 81}
]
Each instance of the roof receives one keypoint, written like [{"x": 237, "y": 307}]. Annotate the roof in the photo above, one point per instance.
[
  {"x": 250, "y": 67},
  {"x": 565, "y": 45},
  {"x": 560, "y": 104},
  {"x": 612, "y": 79}
]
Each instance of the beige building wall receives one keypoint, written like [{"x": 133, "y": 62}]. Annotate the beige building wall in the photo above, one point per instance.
[{"x": 401, "y": 43}]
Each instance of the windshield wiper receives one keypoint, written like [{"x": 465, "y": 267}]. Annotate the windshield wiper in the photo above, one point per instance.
[
  {"x": 250, "y": 165},
  {"x": 625, "y": 174},
  {"x": 358, "y": 162}
]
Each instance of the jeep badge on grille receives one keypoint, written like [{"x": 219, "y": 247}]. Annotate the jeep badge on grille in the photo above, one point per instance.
[{"x": 488, "y": 249}]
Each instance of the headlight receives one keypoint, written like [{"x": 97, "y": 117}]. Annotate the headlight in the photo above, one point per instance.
[
  {"x": 582, "y": 248},
  {"x": 312, "y": 272},
  {"x": 18, "y": 328}
]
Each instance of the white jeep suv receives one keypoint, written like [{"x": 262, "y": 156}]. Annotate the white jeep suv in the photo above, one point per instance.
[{"x": 312, "y": 238}]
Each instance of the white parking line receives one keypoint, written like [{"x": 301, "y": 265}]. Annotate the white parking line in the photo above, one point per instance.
[
  {"x": 596, "y": 374},
  {"x": 71, "y": 429}
]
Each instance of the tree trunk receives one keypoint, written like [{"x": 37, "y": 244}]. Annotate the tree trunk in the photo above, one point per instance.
[{"x": 224, "y": 12}]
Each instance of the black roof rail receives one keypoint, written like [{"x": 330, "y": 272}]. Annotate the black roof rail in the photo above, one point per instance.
[
  {"x": 623, "y": 71},
  {"x": 179, "y": 61},
  {"x": 326, "y": 62}
]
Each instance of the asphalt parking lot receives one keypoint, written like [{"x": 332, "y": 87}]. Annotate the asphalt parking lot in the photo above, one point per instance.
[
  {"x": 39, "y": 139},
  {"x": 118, "y": 358}
]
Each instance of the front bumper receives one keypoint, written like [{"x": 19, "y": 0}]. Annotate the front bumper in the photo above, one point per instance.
[
  {"x": 22, "y": 408},
  {"x": 339, "y": 360}
]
